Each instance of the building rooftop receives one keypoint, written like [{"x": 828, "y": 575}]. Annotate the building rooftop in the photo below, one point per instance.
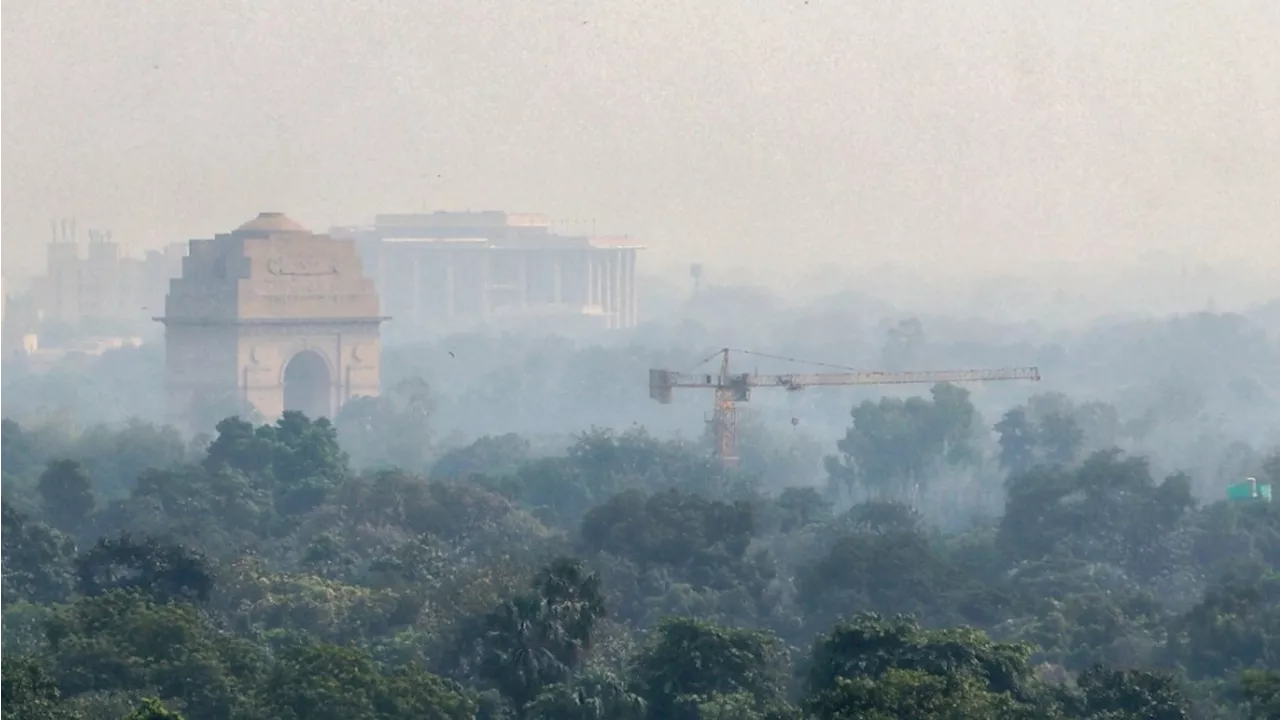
[
  {"x": 491, "y": 229},
  {"x": 469, "y": 219}
]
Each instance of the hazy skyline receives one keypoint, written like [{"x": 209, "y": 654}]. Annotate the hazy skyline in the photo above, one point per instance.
[{"x": 993, "y": 137}]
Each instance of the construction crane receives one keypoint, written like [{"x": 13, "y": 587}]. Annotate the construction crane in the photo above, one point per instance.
[{"x": 731, "y": 389}]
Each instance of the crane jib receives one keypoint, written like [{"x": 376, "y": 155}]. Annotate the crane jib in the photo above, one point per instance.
[
  {"x": 798, "y": 381},
  {"x": 731, "y": 388}
]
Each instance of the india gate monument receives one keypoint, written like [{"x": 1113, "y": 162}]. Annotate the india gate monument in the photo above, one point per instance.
[{"x": 270, "y": 316}]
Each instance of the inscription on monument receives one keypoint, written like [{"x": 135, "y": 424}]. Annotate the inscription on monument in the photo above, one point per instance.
[{"x": 301, "y": 266}]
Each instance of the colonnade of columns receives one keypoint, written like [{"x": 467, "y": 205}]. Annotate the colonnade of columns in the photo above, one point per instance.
[{"x": 611, "y": 286}]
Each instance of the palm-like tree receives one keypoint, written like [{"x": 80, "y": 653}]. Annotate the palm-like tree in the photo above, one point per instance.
[
  {"x": 540, "y": 638},
  {"x": 574, "y": 602},
  {"x": 521, "y": 640}
]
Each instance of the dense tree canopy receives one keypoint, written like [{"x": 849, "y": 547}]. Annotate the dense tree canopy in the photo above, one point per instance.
[{"x": 262, "y": 573}]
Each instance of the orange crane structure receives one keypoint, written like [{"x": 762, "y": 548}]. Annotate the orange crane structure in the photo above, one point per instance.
[{"x": 733, "y": 388}]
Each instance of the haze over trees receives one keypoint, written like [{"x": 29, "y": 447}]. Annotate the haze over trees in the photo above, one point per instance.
[
  {"x": 512, "y": 529},
  {"x": 520, "y": 533}
]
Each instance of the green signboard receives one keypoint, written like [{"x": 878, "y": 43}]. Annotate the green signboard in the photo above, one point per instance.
[
  {"x": 1249, "y": 491},
  {"x": 1240, "y": 491}
]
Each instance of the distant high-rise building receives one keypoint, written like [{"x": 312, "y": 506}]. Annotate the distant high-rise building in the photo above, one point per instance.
[
  {"x": 454, "y": 270},
  {"x": 87, "y": 286}
]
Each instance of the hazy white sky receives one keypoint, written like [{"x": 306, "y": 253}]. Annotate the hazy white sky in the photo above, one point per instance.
[{"x": 770, "y": 134}]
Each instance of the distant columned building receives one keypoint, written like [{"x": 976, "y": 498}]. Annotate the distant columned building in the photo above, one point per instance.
[
  {"x": 273, "y": 317},
  {"x": 454, "y": 270}
]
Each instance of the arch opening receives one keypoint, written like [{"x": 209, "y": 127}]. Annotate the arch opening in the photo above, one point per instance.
[{"x": 307, "y": 385}]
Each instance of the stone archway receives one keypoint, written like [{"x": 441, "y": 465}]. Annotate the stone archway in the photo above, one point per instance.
[
  {"x": 308, "y": 386},
  {"x": 274, "y": 316}
]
